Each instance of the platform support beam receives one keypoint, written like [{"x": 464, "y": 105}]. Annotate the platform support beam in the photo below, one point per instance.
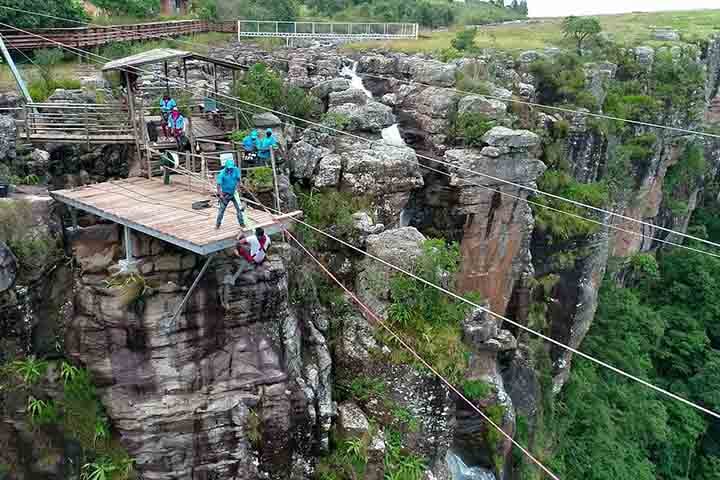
[
  {"x": 129, "y": 264},
  {"x": 192, "y": 288}
]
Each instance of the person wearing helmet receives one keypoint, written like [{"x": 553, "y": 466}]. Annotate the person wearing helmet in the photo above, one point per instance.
[
  {"x": 167, "y": 103},
  {"x": 176, "y": 123},
  {"x": 250, "y": 142},
  {"x": 266, "y": 144},
  {"x": 227, "y": 182}
]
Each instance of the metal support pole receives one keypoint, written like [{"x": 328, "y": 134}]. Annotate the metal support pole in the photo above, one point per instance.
[
  {"x": 192, "y": 288},
  {"x": 18, "y": 78},
  {"x": 128, "y": 245}
]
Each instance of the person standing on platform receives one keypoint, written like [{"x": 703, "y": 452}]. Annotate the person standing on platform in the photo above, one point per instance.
[
  {"x": 176, "y": 123},
  {"x": 266, "y": 144},
  {"x": 167, "y": 103},
  {"x": 227, "y": 182}
]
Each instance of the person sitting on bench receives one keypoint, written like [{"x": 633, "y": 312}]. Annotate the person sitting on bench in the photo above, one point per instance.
[{"x": 254, "y": 247}]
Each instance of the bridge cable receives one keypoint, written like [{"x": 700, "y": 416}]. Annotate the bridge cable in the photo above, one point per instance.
[
  {"x": 367, "y": 312},
  {"x": 534, "y": 190},
  {"x": 497, "y": 315},
  {"x": 409, "y": 82}
]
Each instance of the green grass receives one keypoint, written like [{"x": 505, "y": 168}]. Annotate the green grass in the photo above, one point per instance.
[{"x": 630, "y": 29}]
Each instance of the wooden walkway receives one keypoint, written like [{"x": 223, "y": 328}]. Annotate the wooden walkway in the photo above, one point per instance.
[
  {"x": 83, "y": 37},
  {"x": 165, "y": 212}
]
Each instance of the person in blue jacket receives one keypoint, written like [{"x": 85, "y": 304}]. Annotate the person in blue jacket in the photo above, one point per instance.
[
  {"x": 250, "y": 142},
  {"x": 167, "y": 103},
  {"x": 266, "y": 144},
  {"x": 227, "y": 182},
  {"x": 176, "y": 123}
]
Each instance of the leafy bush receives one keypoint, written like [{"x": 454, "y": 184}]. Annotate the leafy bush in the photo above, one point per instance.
[
  {"x": 476, "y": 389},
  {"x": 133, "y": 289},
  {"x": 299, "y": 104},
  {"x": 562, "y": 81},
  {"x": 46, "y": 60},
  {"x": 29, "y": 370},
  {"x": 472, "y": 78},
  {"x": 259, "y": 179},
  {"x": 464, "y": 40},
  {"x": 471, "y": 127},
  {"x": 683, "y": 177},
  {"x": 427, "y": 319},
  {"x": 558, "y": 226},
  {"x": 335, "y": 120},
  {"x": 263, "y": 86},
  {"x": 40, "y": 90},
  {"x": 42, "y": 412},
  {"x": 331, "y": 210},
  {"x": 448, "y": 55}
]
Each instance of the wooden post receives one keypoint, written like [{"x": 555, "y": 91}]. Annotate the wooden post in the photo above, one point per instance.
[
  {"x": 167, "y": 85},
  {"x": 131, "y": 107},
  {"x": 191, "y": 135},
  {"x": 277, "y": 188},
  {"x": 237, "y": 112}
]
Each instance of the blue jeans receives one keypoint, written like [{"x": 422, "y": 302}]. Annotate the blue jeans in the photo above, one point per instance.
[{"x": 224, "y": 202}]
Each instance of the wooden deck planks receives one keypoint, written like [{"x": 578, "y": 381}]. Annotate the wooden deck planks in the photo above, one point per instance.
[{"x": 163, "y": 211}]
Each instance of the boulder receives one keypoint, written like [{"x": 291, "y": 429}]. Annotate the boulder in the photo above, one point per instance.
[
  {"x": 304, "y": 159},
  {"x": 8, "y": 268},
  {"x": 666, "y": 34},
  {"x": 39, "y": 159},
  {"x": 8, "y": 137},
  {"x": 266, "y": 120},
  {"x": 371, "y": 117},
  {"x": 323, "y": 89},
  {"x": 493, "y": 109},
  {"x": 352, "y": 422},
  {"x": 375, "y": 468},
  {"x": 381, "y": 169},
  {"x": 363, "y": 223},
  {"x": 383, "y": 64},
  {"x": 501, "y": 93},
  {"x": 507, "y": 137},
  {"x": 352, "y": 95},
  {"x": 400, "y": 247},
  {"x": 529, "y": 56},
  {"x": 526, "y": 90},
  {"x": 433, "y": 72},
  {"x": 329, "y": 170},
  {"x": 645, "y": 56}
]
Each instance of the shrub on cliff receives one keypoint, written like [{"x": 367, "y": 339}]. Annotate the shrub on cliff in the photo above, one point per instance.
[{"x": 562, "y": 81}]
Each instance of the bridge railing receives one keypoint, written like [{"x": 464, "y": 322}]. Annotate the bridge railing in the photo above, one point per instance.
[
  {"x": 269, "y": 28},
  {"x": 78, "y": 122},
  {"x": 99, "y": 35}
]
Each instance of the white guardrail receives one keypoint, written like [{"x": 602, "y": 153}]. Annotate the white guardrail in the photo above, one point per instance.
[{"x": 344, "y": 30}]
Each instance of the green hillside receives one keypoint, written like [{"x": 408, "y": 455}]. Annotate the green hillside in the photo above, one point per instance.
[{"x": 630, "y": 29}]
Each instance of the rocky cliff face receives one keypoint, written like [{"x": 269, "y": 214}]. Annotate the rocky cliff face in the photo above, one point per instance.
[
  {"x": 264, "y": 370},
  {"x": 225, "y": 390}
]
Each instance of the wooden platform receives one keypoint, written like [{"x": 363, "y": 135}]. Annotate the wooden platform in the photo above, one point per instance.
[
  {"x": 201, "y": 128},
  {"x": 165, "y": 212}
]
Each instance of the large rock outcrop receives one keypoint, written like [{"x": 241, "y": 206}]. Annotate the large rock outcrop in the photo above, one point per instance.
[
  {"x": 498, "y": 223},
  {"x": 221, "y": 389}
]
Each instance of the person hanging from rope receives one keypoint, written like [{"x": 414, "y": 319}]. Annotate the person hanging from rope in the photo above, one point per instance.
[
  {"x": 254, "y": 247},
  {"x": 266, "y": 144},
  {"x": 167, "y": 103},
  {"x": 176, "y": 123},
  {"x": 227, "y": 183}
]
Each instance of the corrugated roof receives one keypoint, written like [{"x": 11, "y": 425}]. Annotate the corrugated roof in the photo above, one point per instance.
[{"x": 151, "y": 56}]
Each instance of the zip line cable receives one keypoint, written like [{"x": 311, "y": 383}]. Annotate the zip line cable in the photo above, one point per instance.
[
  {"x": 368, "y": 312},
  {"x": 484, "y": 309},
  {"x": 497, "y": 315},
  {"x": 536, "y": 191}
]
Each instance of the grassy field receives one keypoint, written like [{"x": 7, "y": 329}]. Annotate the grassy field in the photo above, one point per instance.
[{"x": 629, "y": 29}]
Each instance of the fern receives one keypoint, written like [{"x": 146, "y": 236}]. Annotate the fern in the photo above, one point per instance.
[{"x": 30, "y": 369}]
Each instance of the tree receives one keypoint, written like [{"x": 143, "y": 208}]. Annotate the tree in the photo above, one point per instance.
[
  {"x": 68, "y": 9},
  {"x": 135, "y": 8},
  {"x": 580, "y": 29}
]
